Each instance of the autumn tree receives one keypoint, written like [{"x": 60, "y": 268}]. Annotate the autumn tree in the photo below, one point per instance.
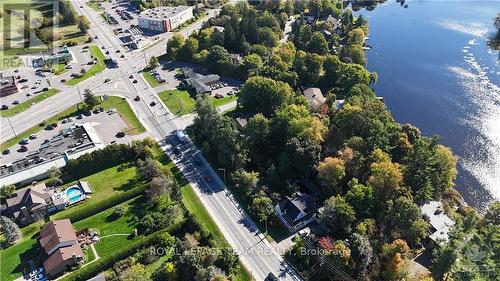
[{"x": 331, "y": 171}]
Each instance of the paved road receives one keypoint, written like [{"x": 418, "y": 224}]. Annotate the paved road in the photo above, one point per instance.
[{"x": 255, "y": 252}]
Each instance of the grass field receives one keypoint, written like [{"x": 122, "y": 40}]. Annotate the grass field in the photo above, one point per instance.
[
  {"x": 114, "y": 232},
  {"x": 99, "y": 66},
  {"x": 150, "y": 79},
  {"x": 59, "y": 68},
  {"x": 28, "y": 103},
  {"x": 126, "y": 113},
  {"x": 179, "y": 102},
  {"x": 105, "y": 184},
  {"x": 13, "y": 257}
]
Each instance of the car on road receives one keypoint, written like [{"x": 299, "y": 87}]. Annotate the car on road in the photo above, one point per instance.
[
  {"x": 135, "y": 81},
  {"x": 107, "y": 80},
  {"x": 137, "y": 98},
  {"x": 23, "y": 80},
  {"x": 271, "y": 277},
  {"x": 28, "y": 94},
  {"x": 117, "y": 51},
  {"x": 120, "y": 134},
  {"x": 15, "y": 102},
  {"x": 63, "y": 80},
  {"x": 152, "y": 103},
  {"x": 107, "y": 53},
  {"x": 122, "y": 56},
  {"x": 5, "y": 107},
  {"x": 22, "y": 149},
  {"x": 131, "y": 76}
]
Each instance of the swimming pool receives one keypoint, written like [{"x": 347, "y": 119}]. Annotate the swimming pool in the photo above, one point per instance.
[{"x": 74, "y": 194}]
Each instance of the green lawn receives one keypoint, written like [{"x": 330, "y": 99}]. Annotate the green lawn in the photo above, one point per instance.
[
  {"x": 94, "y": 5},
  {"x": 107, "y": 225},
  {"x": 59, "y": 68},
  {"x": 222, "y": 101},
  {"x": 13, "y": 257},
  {"x": 99, "y": 66},
  {"x": 89, "y": 254},
  {"x": 179, "y": 102},
  {"x": 28, "y": 103},
  {"x": 150, "y": 79},
  {"x": 105, "y": 184},
  {"x": 126, "y": 113},
  {"x": 71, "y": 111}
]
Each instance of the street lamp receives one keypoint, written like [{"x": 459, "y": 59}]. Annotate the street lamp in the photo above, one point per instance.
[{"x": 223, "y": 170}]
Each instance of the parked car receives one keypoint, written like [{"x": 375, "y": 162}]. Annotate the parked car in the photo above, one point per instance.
[
  {"x": 5, "y": 107},
  {"x": 122, "y": 56},
  {"x": 23, "y": 80},
  {"x": 79, "y": 116},
  {"x": 131, "y": 76},
  {"x": 271, "y": 277},
  {"x": 120, "y": 134},
  {"x": 15, "y": 102},
  {"x": 28, "y": 94},
  {"x": 33, "y": 136},
  {"x": 54, "y": 125},
  {"x": 5, "y": 152},
  {"x": 45, "y": 89},
  {"x": 24, "y": 86},
  {"x": 107, "y": 80},
  {"x": 63, "y": 80},
  {"x": 23, "y": 148},
  {"x": 49, "y": 127},
  {"x": 69, "y": 66},
  {"x": 107, "y": 53},
  {"x": 24, "y": 141},
  {"x": 111, "y": 111},
  {"x": 90, "y": 62}
]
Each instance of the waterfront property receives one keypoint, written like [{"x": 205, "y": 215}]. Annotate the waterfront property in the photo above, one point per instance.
[
  {"x": 60, "y": 247},
  {"x": 439, "y": 222},
  {"x": 315, "y": 98},
  {"x": 165, "y": 19}
]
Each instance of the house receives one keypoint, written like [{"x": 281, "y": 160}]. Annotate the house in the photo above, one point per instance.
[
  {"x": 33, "y": 203},
  {"x": 8, "y": 85},
  {"x": 165, "y": 19},
  {"x": 440, "y": 223},
  {"x": 309, "y": 17},
  {"x": 60, "y": 247},
  {"x": 314, "y": 97},
  {"x": 297, "y": 211},
  {"x": 334, "y": 25},
  {"x": 201, "y": 84}
]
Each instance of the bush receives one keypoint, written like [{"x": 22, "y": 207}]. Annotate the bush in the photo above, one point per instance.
[{"x": 119, "y": 211}]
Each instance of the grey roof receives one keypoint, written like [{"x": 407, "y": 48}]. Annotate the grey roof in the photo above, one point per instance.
[
  {"x": 198, "y": 81},
  {"x": 291, "y": 207},
  {"x": 32, "y": 198},
  {"x": 86, "y": 187},
  {"x": 314, "y": 96},
  {"x": 163, "y": 12},
  {"x": 438, "y": 220}
]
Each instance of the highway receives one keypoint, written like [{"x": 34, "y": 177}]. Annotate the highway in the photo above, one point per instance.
[{"x": 255, "y": 252}]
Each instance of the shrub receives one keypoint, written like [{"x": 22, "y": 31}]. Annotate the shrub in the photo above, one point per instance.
[{"x": 119, "y": 211}]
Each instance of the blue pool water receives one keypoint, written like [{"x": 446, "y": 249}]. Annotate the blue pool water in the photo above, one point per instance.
[{"x": 74, "y": 194}]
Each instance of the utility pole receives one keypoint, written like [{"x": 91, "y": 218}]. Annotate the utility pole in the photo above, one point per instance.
[
  {"x": 8, "y": 120},
  {"x": 79, "y": 93}
]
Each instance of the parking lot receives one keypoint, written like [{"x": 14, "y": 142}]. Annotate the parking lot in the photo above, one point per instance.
[
  {"x": 32, "y": 81},
  {"x": 106, "y": 125}
]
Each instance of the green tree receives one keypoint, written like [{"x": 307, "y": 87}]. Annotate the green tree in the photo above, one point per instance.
[
  {"x": 10, "y": 230},
  {"x": 216, "y": 56},
  {"x": 337, "y": 215},
  {"x": 264, "y": 95},
  {"x": 251, "y": 64},
  {"x": 331, "y": 171},
  {"x": 317, "y": 44},
  {"x": 174, "y": 44},
  {"x": 153, "y": 62},
  {"x": 405, "y": 221},
  {"x": 89, "y": 99},
  {"x": 6, "y": 191},
  {"x": 361, "y": 198},
  {"x": 262, "y": 207},
  {"x": 267, "y": 37},
  {"x": 245, "y": 182}
]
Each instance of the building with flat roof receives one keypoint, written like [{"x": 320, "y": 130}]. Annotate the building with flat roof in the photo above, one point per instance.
[
  {"x": 62, "y": 55},
  {"x": 60, "y": 246},
  {"x": 71, "y": 143},
  {"x": 165, "y": 19},
  {"x": 8, "y": 85}
]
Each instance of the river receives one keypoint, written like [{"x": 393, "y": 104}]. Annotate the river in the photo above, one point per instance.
[{"x": 436, "y": 72}]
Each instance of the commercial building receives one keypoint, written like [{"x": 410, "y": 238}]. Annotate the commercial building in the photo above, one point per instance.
[
  {"x": 60, "y": 246},
  {"x": 71, "y": 143},
  {"x": 60, "y": 56},
  {"x": 8, "y": 85},
  {"x": 165, "y": 19}
]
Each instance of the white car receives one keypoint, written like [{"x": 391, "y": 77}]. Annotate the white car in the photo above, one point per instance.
[
  {"x": 69, "y": 66},
  {"x": 111, "y": 111}
]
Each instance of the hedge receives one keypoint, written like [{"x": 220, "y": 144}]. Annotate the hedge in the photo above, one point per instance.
[
  {"x": 89, "y": 210},
  {"x": 102, "y": 264},
  {"x": 97, "y": 160}
]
